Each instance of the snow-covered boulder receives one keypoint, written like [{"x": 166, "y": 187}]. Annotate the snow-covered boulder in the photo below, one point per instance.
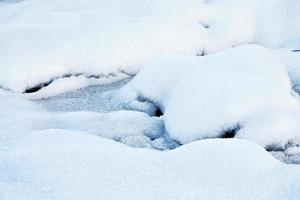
[{"x": 244, "y": 91}]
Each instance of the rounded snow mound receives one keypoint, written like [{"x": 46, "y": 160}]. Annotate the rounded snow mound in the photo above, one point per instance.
[{"x": 242, "y": 92}]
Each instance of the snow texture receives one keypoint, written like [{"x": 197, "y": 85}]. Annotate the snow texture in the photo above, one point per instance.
[
  {"x": 61, "y": 164},
  {"x": 245, "y": 88},
  {"x": 19, "y": 115},
  {"x": 45, "y": 40},
  {"x": 69, "y": 136}
]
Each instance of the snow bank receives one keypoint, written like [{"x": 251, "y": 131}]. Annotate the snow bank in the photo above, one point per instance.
[
  {"x": 45, "y": 40},
  {"x": 60, "y": 164},
  {"x": 244, "y": 88}
]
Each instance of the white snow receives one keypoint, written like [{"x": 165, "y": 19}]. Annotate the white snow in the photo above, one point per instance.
[
  {"x": 60, "y": 164},
  {"x": 46, "y": 155},
  {"x": 70, "y": 138},
  {"x": 44, "y": 40},
  {"x": 41, "y": 39},
  {"x": 19, "y": 115},
  {"x": 245, "y": 86},
  {"x": 63, "y": 85}
]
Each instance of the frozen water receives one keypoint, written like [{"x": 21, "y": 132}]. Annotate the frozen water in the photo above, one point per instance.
[{"x": 97, "y": 98}]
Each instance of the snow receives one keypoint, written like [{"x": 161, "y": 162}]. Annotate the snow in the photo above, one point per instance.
[
  {"x": 45, "y": 40},
  {"x": 51, "y": 39},
  {"x": 19, "y": 115},
  {"x": 271, "y": 23},
  {"x": 246, "y": 87},
  {"x": 62, "y": 85},
  {"x": 63, "y": 155},
  {"x": 95, "y": 98},
  {"x": 84, "y": 81},
  {"x": 80, "y": 166}
]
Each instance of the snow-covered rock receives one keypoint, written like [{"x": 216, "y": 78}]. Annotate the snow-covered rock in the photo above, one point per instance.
[{"x": 244, "y": 88}]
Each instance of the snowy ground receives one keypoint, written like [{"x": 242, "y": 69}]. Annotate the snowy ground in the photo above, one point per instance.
[
  {"x": 100, "y": 98},
  {"x": 149, "y": 99}
]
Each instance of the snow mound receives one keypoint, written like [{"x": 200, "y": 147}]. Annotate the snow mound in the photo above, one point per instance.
[
  {"x": 244, "y": 91},
  {"x": 61, "y": 164}
]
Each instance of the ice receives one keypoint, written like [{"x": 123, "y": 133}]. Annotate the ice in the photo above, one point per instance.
[
  {"x": 245, "y": 88},
  {"x": 97, "y": 98}
]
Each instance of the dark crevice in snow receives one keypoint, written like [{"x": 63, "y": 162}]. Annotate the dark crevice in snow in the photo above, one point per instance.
[
  {"x": 202, "y": 53},
  {"x": 158, "y": 112},
  {"x": 289, "y": 153},
  {"x": 141, "y": 99},
  {"x": 207, "y": 26},
  {"x": 45, "y": 84},
  {"x": 296, "y": 50},
  {"x": 296, "y": 87},
  {"x": 230, "y": 132},
  {"x": 37, "y": 87},
  {"x": 274, "y": 147}
]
